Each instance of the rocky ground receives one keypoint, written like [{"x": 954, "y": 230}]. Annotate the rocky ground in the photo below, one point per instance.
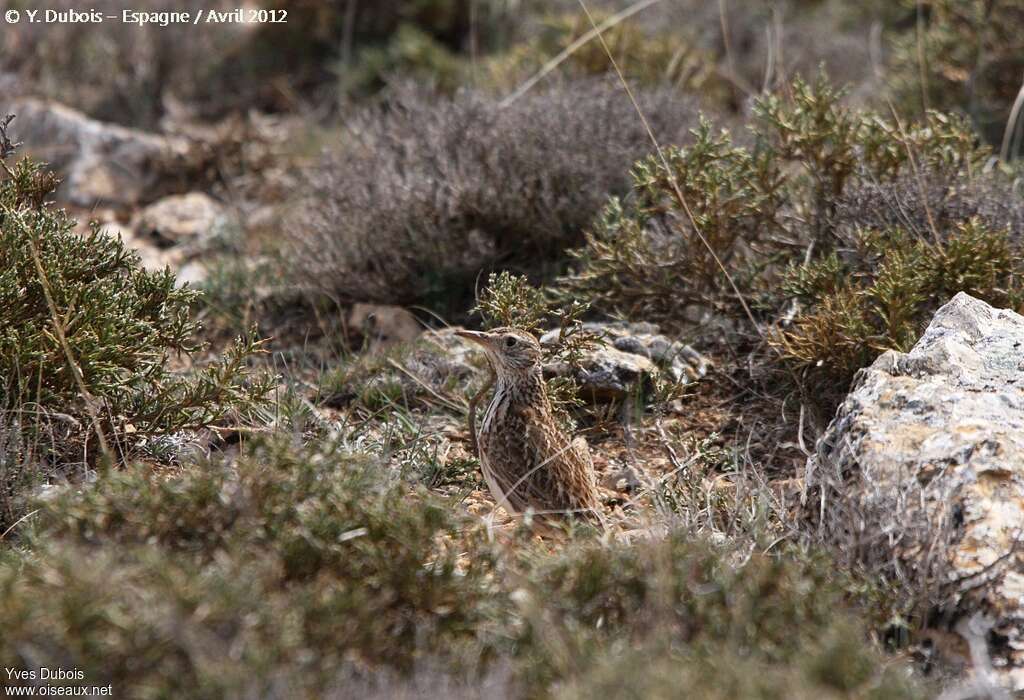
[{"x": 333, "y": 533}]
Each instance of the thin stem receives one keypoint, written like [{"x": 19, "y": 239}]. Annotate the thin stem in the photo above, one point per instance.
[{"x": 669, "y": 172}]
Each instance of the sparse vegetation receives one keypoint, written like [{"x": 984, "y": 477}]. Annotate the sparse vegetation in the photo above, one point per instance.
[
  {"x": 511, "y": 301},
  {"x": 299, "y": 512}
]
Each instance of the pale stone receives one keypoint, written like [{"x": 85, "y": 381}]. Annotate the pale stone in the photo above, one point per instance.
[
  {"x": 384, "y": 325},
  {"x": 189, "y": 220},
  {"x": 99, "y": 163},
  {"x": 923, "y": 468}
]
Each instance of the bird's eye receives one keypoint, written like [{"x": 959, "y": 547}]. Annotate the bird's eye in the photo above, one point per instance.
[{"x": 510, "y": 341}]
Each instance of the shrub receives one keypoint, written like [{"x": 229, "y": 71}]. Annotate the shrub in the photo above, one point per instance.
[
  {"x": 650, "y": 55},
  {"x": 705, "y": 625},
  {"x": 300, "y": 570},
  {"x": 965, "y": 56},
  {"x": 835, "y": 148},
  {"x": 881, "y": 294},
  {"x": 510, "y": 301},
  {"x": 86, "y": 336},
  {"x": 284, "y": 571},
  {"x": 837, "y": 666},
  {"x": 430, "y": 192},
  {"x": 410, "y": 53},
  {"x": 900, "y": 218},
  {"x": 643, "y": 258},
  {"x": 728, "y": 53},
  {"x": 932, "y": 201},
  {"x": 755, "y": 206},
  {"x": 864, "y": 212},
  {"x": 362, "y": 46},
  {"x": 448, "y": 21}
]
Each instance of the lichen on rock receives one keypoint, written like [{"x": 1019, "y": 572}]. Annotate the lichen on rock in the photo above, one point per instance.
[{"x": 921, "y": 474}]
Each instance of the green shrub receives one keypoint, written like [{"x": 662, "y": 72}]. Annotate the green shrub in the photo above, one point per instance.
[
  {"x": 86, "y": 336},
  {"x": 290, "y": 566},
  {"x": 755, "y": 206},
  {"x": 845, "y": 228},
  {"x": 834, "y": 148},
  {"x": 900, "y": 218},
  {"x": 963, "y": 55},
  {"x": 360, "y": 48},
  {"x": 128, "y": 74},
  {"x": 410, "y": 53},
  {"x": 643, "y": 257},
  {"x": 705, "y": 624},
  {"x": 727, "y": 54},
  {"x": 652, "y": 56},
  {"x": 881, "y": 295},
  {"x": 836, "y": 667},
  {"x": 447, "y": 21}
]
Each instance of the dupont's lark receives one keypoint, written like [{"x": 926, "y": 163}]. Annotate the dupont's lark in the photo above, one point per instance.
[{"x": 526, "y": 459}]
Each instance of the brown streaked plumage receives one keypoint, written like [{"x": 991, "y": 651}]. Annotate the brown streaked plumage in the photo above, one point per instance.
[{"x": 526, "y": 459}]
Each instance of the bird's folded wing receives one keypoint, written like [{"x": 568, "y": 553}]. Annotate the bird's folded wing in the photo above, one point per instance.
[{"x": 562, "y": 468}]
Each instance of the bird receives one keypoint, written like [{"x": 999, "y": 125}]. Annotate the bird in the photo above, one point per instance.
[{"x": 527, "y": 460}]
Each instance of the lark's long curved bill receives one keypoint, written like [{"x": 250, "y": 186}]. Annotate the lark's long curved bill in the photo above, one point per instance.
[{"x": 475, "y": 336}]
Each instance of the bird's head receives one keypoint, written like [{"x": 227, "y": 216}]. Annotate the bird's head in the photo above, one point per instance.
[{"x": 510, "y": 350}]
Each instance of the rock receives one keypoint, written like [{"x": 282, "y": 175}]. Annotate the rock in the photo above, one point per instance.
[
  {"x": 100, "y": 163},
  {"x": 194, "y": 274},
  {"x": 632, "y": 355},
  {"x": 921, "y": 474},
  {"x": 45, "y": 493},
  {"x": 606, "y": 374},
  {"x": 624, "y": 480},
  {"x": 384, "y": 325},
  {"x": 187, "y": 220},
  {"x": 682, "y": 362}
]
